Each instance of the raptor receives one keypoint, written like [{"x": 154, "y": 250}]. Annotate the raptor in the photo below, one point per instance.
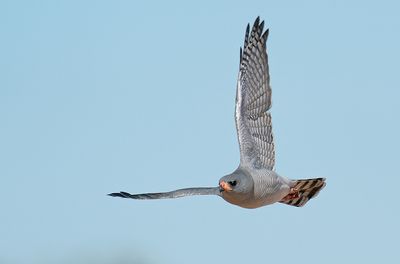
[{"x": 254, "y": 183}]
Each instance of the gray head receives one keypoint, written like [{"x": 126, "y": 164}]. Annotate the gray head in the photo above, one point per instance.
[{"x": 236, "y": 187}]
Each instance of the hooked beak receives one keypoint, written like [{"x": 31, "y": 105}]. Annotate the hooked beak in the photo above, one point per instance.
[{"x": 224, "y": 186}]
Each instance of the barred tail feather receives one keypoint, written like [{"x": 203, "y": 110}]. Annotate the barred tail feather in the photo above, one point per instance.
[{"x": 306, "y": 190}]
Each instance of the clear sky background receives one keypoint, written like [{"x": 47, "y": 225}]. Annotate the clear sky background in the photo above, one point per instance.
[{"x": 103, "y": 96}]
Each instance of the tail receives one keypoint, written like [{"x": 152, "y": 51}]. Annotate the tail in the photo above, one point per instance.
[{"x": 304, "y": 190}]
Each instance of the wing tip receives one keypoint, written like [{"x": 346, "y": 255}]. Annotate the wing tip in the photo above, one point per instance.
[
  {"x": 246, "y": 36},
  {"x": 257, "y": 21},
  {"x": 120, "y": 194},
  {"x": 257, "y": 31},
  {"x": 265, "y": 35}
]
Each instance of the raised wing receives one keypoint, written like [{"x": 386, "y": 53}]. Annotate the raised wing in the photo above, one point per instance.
[{"x": 253, "y": 100}]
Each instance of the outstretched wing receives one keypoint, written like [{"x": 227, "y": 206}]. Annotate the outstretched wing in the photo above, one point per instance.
[
  {"x": 253, "y": 100},
  {"x": 170, "y": 195}
]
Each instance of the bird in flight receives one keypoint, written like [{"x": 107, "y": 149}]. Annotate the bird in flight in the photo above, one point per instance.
[{"x": 254, "y": 183}]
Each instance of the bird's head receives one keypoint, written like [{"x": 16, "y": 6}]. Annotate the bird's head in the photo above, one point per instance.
[{"x": 235, "y": 183}]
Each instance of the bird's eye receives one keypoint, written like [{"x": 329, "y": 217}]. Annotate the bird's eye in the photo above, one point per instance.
[{"x": 232, "y": 183}]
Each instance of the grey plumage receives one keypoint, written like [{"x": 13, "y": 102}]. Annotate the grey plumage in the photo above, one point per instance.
[
  {"x": 254, "y": 183},
  {"x": 253, "y": 100},
  {"x": 169, "y": 195}
]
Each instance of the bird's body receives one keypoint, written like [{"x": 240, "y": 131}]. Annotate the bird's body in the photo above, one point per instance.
[
  {"x": 254, "y": 183},
  {"x": 267, "y": 188}
]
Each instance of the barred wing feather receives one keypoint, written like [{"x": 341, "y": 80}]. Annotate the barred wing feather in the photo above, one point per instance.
[{"x": 253, "y": 100}]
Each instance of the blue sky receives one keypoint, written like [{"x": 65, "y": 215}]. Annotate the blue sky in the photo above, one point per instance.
[{"x": 103, "y": 96}]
